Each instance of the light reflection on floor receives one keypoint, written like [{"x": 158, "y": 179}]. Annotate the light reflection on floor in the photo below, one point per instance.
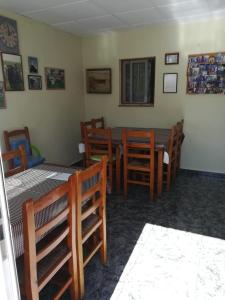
[{"x": 171, "y": 264}]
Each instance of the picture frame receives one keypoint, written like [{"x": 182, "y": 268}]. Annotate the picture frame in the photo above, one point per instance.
[
  {"x": 98, "y": 81},
  {"x": 2, "y": 95},
  {"x": 170, "y": 82},
  {"x": 9, "y": 40},
  {"x": 206, "y": 74},
  {"x": 35, "y": 82},
  {"x": 12, "y": 69},
  {"x": 55, "y": 78},
  {"x": 172, "y": 58},
  {"x": 33, "y": 64}
]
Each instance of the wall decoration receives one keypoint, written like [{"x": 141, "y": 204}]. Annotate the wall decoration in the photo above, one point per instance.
[
  {"x": 55, "y": 78},
  {"x": 12, "y": 72},
  {"x": 34, "y": 82},
  {"x": 2, "y": 95},
  {"x": 33, "y": 64},
  {"x": 9, "y": 41},
  {"x": 172, "y": 58},
  {"x": 98, "y": 81},
  {"x": 170, "y": 82},
  {"x": 206, "y": 73}
]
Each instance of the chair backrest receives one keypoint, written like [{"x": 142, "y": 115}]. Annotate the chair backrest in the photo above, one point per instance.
[
  {"x": 180, "y": 126},
  {"x": 91, "y": 209},
  {"x": 15, "y": 134},
  {"x": 99, "y": 122},
  {"x": 83, "y": 125},
  {"x": 98, "y": 141},
  {"x": 173, "y": 144},
  {"x": 139, "y": 144},
  {"x": 15, "y": 154},
  {"x": 53, "y": 233}
]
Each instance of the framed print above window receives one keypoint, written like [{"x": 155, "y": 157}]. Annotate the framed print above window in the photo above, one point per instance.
[
  {"x": 172, "y": 58},
  {"x": 170, "y": 82},
  {"x": 137, "y": 81},
  {"x": 98, "y": 81},
  {"x": 12, "y": 72}
]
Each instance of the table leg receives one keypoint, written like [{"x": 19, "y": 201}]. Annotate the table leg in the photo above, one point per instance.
[{"x": 160, "y": 172}]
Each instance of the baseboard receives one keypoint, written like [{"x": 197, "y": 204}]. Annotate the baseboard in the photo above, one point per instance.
[{"x": 203, "y": 173}]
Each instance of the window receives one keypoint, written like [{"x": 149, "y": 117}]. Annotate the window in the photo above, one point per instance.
[{"x": 137, "y": 81}]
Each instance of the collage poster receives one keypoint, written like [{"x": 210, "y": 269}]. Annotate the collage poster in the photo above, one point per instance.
[{"x": 206, "y": 73}]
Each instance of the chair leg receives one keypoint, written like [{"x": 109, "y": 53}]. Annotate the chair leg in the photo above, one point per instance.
[
  {"x": 168, "y": 178},
  {"x": 151, "y": 185},
  {"x": 118, "y": 175},
  {"x": 125, "y": 183},
  {"x": 111, "y": 175}
]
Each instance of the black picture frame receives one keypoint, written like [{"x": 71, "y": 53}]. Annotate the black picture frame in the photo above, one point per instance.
[
  {"x": 55, "y": 78},
  {"x": 172, "y": 58},
  {"x": 34, "y": 82},
  {"x": 33, "y": 64},
  {"x": 2, "y": 96},
  {"x": 9, "y": 40},
  {"x": 170, "y": 82},
  {"x": 99, "y": 81},
  {"x": 12, "y": 68}
]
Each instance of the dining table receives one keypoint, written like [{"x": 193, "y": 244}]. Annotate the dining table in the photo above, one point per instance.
[
  {"x": 32, "y": 184},
  {"x": 161, "y": 145}
]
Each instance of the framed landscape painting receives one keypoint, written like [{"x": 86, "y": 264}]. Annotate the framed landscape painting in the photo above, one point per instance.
[
  {"x": 2, "y": 95},
  {"x": 98, "y": 81},
  {"x": 13, "y": 72},
  {"x": 55, "y": 79}
]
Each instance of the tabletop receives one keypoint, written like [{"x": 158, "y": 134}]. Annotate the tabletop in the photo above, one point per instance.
[
  {"x": 32, "y": 183},
  {"x": 161, "y": 135}
]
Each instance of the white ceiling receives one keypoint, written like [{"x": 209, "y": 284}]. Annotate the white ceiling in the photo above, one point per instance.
[{"x": 84, "y": 17}]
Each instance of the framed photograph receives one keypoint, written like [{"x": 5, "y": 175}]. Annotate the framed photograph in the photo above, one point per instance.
[
  {"x": 12, "y": 72},
  {"x": 33, "y": 64},
  {"x": 170, "y": 82},
  {"x": 172, "y": 58},
  {"x": 2, "y": 95},
  {"x": 98, "y": 81},
  {"x": 34, "y": 82},
  {"x": 206, "y": 73},
  {"x": 9, "y": 41},
  {"x": 55, "y": 79}
]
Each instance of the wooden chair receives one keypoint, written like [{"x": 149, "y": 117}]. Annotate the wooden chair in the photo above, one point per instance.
[
  {"x": 98, "y": 123},
  {"x": 98, "y": 142},
  {"x": 83, "y": 125},
  {"x": 180, "y": 126},
  {"x": 56, "y": 251},
  {"x": 138, "y": 157},
  {"x": 13, "y": 141},
  {"x": 170, "y": 168},
  {"x": 10, "y": 155},
  {"x": 91, "y": 215}
]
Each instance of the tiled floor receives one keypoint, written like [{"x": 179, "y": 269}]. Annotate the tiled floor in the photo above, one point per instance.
[{"x": 196, "y": 204}]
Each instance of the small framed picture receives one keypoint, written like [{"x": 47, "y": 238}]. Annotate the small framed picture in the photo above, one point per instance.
[
  {"x": 172, "y": 58},
  {"x": 33, "y": 64},
  {"x": 98, "y": 81},
  {"x": 55, "y": 79},
  {"x": 170, "y": 82},
  {"x": 12, "y": 72},
  {"x": 34, "y": 82},
  {"x": 2, "y": 95}
]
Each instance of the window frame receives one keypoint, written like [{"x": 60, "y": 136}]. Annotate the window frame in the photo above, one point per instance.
[{"x": 151, "y": 98}]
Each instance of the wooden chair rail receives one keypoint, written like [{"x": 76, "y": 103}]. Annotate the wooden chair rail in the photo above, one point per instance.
[{"x": 12, "y": 154}]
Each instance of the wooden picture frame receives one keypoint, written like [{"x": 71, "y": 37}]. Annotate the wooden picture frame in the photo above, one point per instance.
[
  {"x": 12, "y": 69},
  {"x": 2, "y": 96},
  {"x": 55, "y": 78},
  {"x": 170, "y": 82},
  {"x": 172, "y": 58},
  {"x": 34, "y": 82},
  {"x": 98, "y": 81}
]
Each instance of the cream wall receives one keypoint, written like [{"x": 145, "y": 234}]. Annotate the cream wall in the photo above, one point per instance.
[
  {"x": 52, "y": 116},
  {"x": 204, "y": 115}
]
